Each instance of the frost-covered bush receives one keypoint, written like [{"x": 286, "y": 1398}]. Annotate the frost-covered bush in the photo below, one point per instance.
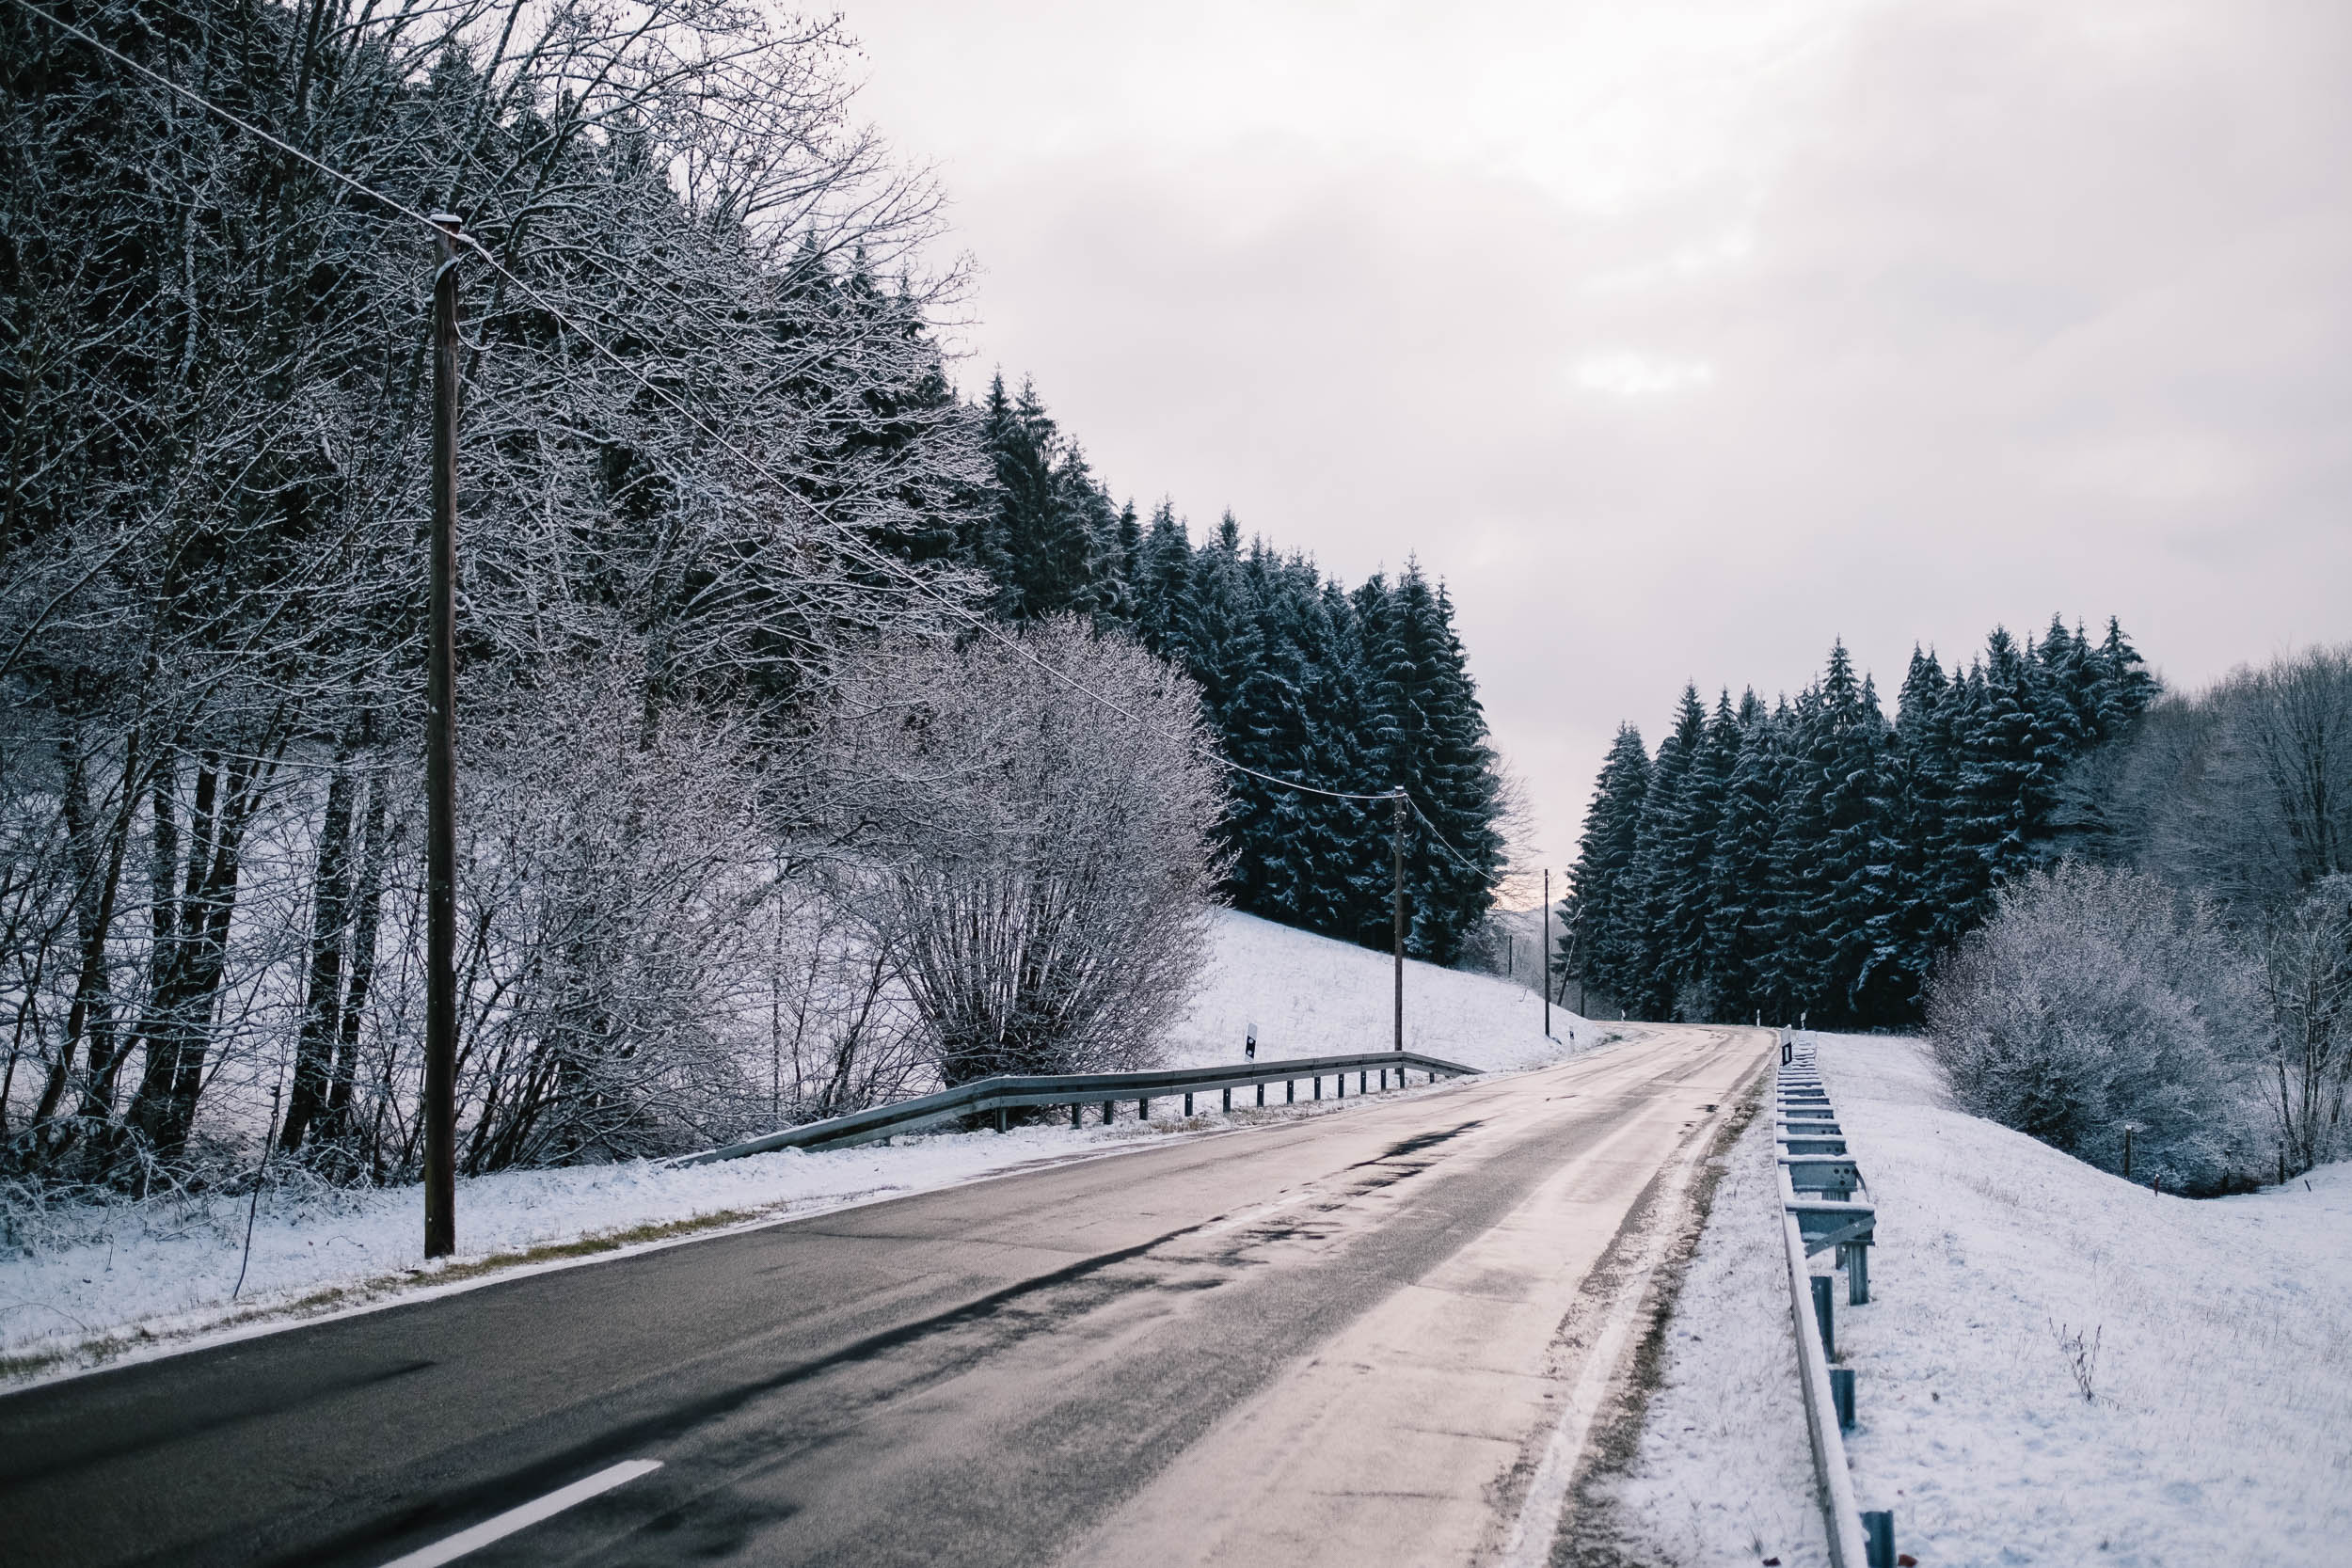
[
  {"x": 2097, "y": 999},
  {"x": 1039, "y": 868}
]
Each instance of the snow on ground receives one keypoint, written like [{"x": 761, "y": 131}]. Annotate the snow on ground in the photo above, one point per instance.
[
  {"x": 1722, "y": 1473},
  {"x": 2219, "y": 1423},
  {"x": 123, "y": 1277},
  {"x": 1311, "y": 996}
]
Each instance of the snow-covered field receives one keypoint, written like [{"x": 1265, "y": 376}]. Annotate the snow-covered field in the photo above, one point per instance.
[
  {"x": 1311, "y": 996},
  {"x": 102, "y": 1282},
  {"x": 2217, "y": 1426},
  {"x": 2215, "y": 1339}
]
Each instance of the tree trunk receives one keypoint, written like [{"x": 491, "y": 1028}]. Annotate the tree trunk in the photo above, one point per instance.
[
  {"x": 314, "y": 1047},
  {"x": 366, "y": 914},
  {"x": 92, "y": 1013},
  {"x": 175, "y": 1074}
]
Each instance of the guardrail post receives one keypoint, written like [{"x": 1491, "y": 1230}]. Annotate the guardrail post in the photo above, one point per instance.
[
  {"x": 1820, "y": 1315},
  {"x": 1110, "y": 1111},
  {"x": 1878, "y": 1536},
  {"x": 1001, "y": 1114},
  {"x": 1384, "y": 1080},
  {"x": 1857, "y": 1272},
  {"x": 1841, "y": 1395},
  {"x": 1074, "y": 1123}
]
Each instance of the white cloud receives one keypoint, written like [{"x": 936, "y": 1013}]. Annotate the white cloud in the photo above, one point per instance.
[
  {"x": 1935, "y": 314},
  {"x": 1638, "y": 376}
]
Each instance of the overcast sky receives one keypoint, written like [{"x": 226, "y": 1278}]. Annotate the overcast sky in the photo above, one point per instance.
[{"x": 1682, "y": 339}]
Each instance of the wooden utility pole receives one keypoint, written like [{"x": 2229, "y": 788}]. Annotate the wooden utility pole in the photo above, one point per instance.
[
  {"x": 1543, "y": 972},
  {"x": 1396, "y": 901},
  {"x": 440, "y": 770}
]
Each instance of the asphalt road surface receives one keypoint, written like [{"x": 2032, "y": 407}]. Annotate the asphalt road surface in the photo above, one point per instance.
[{"x": 1348, "y": 1339}]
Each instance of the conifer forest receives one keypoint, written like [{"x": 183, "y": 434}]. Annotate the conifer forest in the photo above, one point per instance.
[{"x": 1811, "y": 859}]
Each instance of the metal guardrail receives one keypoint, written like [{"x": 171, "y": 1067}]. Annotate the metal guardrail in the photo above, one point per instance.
[
  {"x": 1817, "y": 1180},
  {"x": 1077, "y": 1090}
]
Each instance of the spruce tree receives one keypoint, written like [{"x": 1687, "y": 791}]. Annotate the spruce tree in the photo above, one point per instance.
[
  {"x": 1660, "y": 857},
  {"x": 1603, "y": 939},
  {"x": 1741, "y": 893}
]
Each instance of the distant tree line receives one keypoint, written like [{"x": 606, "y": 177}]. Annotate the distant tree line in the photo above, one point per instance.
[
  {"x": 1350, "y": 691},
  {"x": 1811, "y": 857},
  {"x": 2123, "y": 916},
  {"x": 2174, "y": 999}
]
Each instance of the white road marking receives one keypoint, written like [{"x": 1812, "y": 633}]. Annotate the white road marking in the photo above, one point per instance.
[{"x": 524, "y": 1517}]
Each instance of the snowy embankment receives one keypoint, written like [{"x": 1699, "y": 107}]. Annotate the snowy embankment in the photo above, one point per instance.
[
  {"x": 2212, "y": 1421},
  {"x": 1311, "y": 996},
  {"x": 92, "y": 1283},
  {"x": 1720, "y": 1472}
]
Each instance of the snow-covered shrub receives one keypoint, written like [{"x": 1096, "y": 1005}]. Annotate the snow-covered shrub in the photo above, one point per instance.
[
  {"x": 2097, "y": 999},
  {"x": 1040, "y": 866}
]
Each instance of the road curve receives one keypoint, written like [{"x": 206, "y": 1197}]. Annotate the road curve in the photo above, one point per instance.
[{"x": 1337, "y": 1340}]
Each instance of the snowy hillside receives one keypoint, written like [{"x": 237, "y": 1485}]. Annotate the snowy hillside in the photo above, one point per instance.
[
  {"x": 1311, "y": 996},
  {"x": 118, "y": 1274},
  {"x": 2214, "y": 1340},
  {"x": 2220, "y": 1398}
]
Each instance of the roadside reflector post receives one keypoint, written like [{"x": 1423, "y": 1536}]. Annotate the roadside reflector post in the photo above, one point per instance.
[
  {"x": 1318, "y": 1085},
  {"x": 1290, "y": 1090},
  {"x": 1188, "y": 1107},
  {"x": 1820, "y": 1313},
  {"x": 1074, "y": 1122},
  {"x": 1110, "y": 1111},
  {"x": 1229, "y": 1099},
  {"x": 1261, "y": 1094},
  {"x": 1143, "y": 1110},
  {"x": 1841, "y": 1392}
]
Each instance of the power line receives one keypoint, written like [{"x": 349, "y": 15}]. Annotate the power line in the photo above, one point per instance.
[
  {"x": 1468, "y": 863},
  {"x": 875, "y": 557}
]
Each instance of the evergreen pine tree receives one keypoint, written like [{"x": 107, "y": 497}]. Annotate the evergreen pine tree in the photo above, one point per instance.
[
  {"x": 1603, "y": 938},
  {"x": 1741, "y": 901},
  {"x": 1659, "y": 858}
]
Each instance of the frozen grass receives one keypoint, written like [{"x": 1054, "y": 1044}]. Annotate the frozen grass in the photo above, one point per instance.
[
  {"x": 89, "y": 1282},
  {"x": 2216, "y": 1425},
  {"x": 1722, "y": 1473}
]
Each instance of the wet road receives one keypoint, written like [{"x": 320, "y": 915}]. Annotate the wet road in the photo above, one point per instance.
[{"x": 1344, "y": 1339}]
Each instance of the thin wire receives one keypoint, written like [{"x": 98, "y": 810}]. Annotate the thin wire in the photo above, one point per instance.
[
  {"x": 1468, "y": 863},
  {"x": 871, "y": 555},
  {"x": 212, "y": 108}
]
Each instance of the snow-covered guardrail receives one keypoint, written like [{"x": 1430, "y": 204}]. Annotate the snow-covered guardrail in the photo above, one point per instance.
[
  {"x": 1818, "y": 1213},
  {"x": 1077, "y": 1090}
]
